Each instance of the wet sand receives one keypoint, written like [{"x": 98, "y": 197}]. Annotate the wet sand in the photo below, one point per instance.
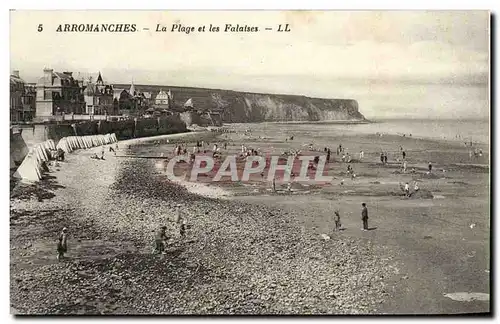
[{"x": 439, "y": 251}]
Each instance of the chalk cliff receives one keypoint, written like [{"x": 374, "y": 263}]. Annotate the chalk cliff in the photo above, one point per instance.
[
  {"x": 241, "y": 107},
  {"x": 247, "y": 107}
]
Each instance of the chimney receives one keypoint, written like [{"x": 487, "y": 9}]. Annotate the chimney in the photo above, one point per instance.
[
  {"x": 47, "y": 73},
  {"x": 16, "y": 73}
]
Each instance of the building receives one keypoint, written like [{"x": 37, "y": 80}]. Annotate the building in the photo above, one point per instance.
[
  {"x": 17, "y": 91},
  {"x": 22, "y": 99},
  {"x": 58, "y": 93},
  {"x": 99, "y": 97},
  {"x": 132, "y": 91},
  {"x": 29, "y": 101},
  {"x": 162, "y": 98},
  {"x": 164, "y": 102},
  {"x": 148, "y": 98},
  {"x": 122, "y": 102}
]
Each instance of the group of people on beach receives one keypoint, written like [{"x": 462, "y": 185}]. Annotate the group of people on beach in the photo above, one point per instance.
[
  {"x": 111, "y": 149},
  {"x": 199, "y": 147},
  {"x": 364, "y": 218},
  {"x": 477, "y": 153},
  {"x": 161, "y": 238},
  {"x": 406, "y": 188}
]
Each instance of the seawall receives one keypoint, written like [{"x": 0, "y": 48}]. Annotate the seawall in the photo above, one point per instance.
[{"x": 28, "y": 136}]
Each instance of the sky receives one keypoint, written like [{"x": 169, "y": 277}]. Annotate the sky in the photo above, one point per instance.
[{"x": 390, "y": 61}]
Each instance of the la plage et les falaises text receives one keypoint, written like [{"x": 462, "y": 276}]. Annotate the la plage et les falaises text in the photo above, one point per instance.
[{"x": 174, "y": 28}]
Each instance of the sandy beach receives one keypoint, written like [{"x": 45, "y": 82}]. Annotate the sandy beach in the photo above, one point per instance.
[{"x": 249, "y": 250}]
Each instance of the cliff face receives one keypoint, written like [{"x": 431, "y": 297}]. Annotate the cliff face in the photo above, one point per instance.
[
  {"x": 261, "y": 107},
  {"x": 241, "y": 107}
]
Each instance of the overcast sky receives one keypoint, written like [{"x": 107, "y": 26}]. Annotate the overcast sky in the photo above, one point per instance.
[{"x": 322, "y": 49}]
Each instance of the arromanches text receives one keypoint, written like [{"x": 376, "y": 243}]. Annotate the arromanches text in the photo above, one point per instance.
[{"x": 97, "y": 28}]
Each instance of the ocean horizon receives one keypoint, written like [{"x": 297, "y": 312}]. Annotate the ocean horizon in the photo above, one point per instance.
[{"x": 456, "y": 130}]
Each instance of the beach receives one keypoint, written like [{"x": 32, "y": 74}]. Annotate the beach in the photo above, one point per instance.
[{"x": 249, "y": 250}]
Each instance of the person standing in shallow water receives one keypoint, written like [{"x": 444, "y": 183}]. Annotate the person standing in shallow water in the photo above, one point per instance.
[
  {"x": 364, "y": 216},
  {"x": 62, "y": 245}
]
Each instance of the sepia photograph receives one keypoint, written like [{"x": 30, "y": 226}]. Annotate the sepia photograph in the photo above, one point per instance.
[{"x": 250, "y": 162}]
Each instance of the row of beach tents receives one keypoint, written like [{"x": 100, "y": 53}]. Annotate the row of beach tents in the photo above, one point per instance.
[
  {"x": 71, "y": 143},
  {"x": 34, "y": 163}
]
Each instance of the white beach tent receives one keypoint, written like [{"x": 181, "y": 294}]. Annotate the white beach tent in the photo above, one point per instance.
[
  {"x": 29, "y": 170},
  {"x": 63, "y": 145}
]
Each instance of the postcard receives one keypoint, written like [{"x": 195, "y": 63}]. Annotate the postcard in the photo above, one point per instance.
[{"x": 249, "y": 162}]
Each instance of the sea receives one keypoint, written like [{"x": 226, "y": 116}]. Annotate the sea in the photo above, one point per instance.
[{"x": 477, "y": 131}]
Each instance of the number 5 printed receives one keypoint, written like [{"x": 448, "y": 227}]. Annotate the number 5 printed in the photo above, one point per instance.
[{"x": 40, "y": 28}]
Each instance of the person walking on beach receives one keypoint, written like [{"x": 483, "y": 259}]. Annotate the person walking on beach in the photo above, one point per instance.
[
  {"x": 182, "y": 228},
  {"x": 382, "y": 157},
  {"x": 328, "y": 153},
  {"x": 405, "y": 165},
  {"x": 178, "y": 214},
  {"x": 62, "y": 245},
  {"x": 337, "y": 220},
  {"x": 407, "y": 189},
  {"x": 364, "y": 216},
  {"x": 430, "y": 167},
  {"x": 415, "y": 187},
  {"x": 385, "y": 158},
  {"x": 404, "y": 155},
  {"x": 160, "y": 240},
  {"x": 361, "y": 155}
]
